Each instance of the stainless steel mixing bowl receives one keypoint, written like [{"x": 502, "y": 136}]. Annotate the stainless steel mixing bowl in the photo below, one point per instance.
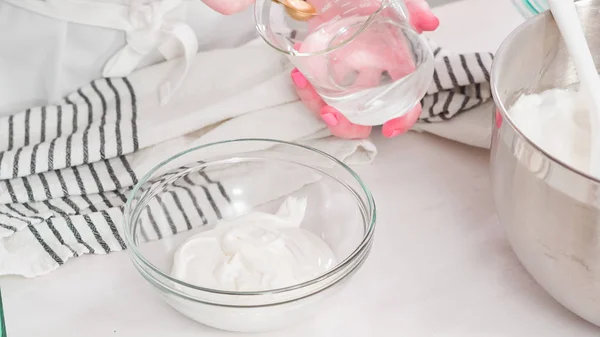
[{"x": 551, "y": 211}]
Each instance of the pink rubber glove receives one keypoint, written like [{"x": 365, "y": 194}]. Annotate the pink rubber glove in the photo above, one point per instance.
[
  {"x": 228, "y": 7},
  {"x": 422, "y": 19}
]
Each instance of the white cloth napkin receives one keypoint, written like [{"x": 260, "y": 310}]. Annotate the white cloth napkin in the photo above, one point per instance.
[{"x": 66, "y": 169}]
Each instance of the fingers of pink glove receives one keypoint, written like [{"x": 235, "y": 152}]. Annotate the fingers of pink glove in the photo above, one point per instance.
[
  {"x": 341, "y": 127},
  {"x": 228, "y": 7},
  {"x": 421, "y": 16},
  {"x": 306, "y": 92},
  {"x": 402, "y": 124},
  {"x": 404, "y": 63},
  {"x": 299, "y": 80},
  {"x": 312, "y": 101}
]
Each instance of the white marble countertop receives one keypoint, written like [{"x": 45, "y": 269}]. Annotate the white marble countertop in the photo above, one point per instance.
[{"x": 440, "y": 265}]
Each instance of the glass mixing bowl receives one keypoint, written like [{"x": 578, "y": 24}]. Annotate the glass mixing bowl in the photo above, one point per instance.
[{"x": 192, "y": 190}]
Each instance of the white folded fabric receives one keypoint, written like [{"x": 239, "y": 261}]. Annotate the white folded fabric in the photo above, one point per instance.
[{"x": 66, "y": 169}]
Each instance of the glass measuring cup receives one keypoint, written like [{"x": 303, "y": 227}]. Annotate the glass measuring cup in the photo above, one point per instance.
[{"x": 362, "y": 56}]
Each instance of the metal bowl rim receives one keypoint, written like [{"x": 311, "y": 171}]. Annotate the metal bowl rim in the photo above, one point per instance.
[{"x": 502, "y": 108}]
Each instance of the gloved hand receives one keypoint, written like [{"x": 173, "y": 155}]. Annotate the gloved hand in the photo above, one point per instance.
[
  {"x": 422, "y": 19},
  {"x": 228, "y": 7}
]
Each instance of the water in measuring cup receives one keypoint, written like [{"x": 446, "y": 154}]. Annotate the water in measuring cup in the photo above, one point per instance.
[{"x": 378, "y": 74}]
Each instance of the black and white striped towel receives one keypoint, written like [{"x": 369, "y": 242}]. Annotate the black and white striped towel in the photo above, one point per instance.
[
  {"x": 66, "y": 169},
  {"x": 459, "y": 96}
]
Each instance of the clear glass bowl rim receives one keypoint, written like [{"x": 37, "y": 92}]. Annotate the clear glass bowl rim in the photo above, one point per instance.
[{"x": 139, "y": 257}]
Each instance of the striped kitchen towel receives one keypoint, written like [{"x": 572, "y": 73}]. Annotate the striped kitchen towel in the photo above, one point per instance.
[
  {"x": 460, "y": 91},
  {"x": 66, "y": 169}
]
